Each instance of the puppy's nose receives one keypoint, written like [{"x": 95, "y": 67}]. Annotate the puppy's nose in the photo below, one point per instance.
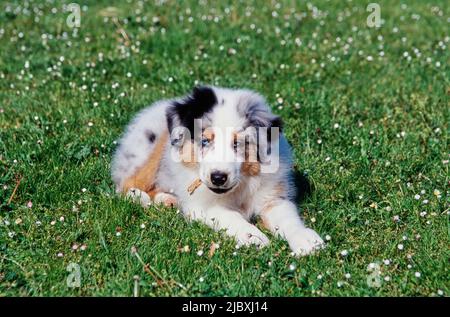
[{"x": 218, "y": 178}]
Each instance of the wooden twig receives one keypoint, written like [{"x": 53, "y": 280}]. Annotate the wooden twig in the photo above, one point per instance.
[
  {"x": 15, "y": 189},
  {"x": 154, "y": 273},
  {"x": 122, "y": 32}
]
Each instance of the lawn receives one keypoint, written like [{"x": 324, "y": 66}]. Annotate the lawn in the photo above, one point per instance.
[{"x": 366, "y": 110}]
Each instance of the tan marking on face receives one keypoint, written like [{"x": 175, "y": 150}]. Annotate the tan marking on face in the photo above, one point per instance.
[
  {"x": 209, "y": 134},
  {"x": 250, "y": 167},
  {"x": 188, "y": 154},
  {"x": 144, "y": 177}
]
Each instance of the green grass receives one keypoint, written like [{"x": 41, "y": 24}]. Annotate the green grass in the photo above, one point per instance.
[{"x": 370, "y": 135}]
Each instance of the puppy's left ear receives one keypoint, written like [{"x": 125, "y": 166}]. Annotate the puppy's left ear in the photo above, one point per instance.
[
  {"x": 176, "y": 130},
  {"x": 262, "y": 118},
  {"x": 257, "y": 112},
  {"x": 259, "y": 116}
]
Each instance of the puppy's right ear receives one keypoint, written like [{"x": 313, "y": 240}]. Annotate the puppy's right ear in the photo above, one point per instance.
[
  {"x": 178, "y": 135},
  {"x": 176, "y": 130}
]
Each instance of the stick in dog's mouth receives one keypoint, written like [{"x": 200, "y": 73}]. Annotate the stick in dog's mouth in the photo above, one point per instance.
[{"x": 194, "y": 185}]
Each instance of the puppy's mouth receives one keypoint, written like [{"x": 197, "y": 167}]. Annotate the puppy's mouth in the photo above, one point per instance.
[{"x": 219, "y": 190}]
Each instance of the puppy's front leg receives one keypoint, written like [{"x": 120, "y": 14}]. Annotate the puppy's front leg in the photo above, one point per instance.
[
  {"x": 234, "y": 224},
  {"x": 282, "y": 218}
]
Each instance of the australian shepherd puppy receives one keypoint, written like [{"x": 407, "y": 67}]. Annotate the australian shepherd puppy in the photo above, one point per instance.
[{"x": 218, "y": 155}]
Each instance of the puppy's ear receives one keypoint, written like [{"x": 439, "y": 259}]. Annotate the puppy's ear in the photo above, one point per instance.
[
  {"x": 174, "y": 126},
  {"x": 259, "y": 116}
]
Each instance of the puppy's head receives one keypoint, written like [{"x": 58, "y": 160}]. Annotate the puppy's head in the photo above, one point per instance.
[{"x": 224, "y": 134}]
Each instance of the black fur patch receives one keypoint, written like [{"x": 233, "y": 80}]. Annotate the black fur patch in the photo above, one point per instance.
[
  {"x": 201, "y": 101},
  {"x": 150, "y": 136}
]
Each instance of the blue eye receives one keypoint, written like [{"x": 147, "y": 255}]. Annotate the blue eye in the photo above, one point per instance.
[{"x": 205, "y": 142}]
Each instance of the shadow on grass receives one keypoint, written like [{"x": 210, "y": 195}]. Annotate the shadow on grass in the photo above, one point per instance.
[{"x": 303, "y": 186}]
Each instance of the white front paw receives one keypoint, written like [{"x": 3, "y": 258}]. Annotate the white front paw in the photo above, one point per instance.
[
  {"x": 251, "y": 235},
  {"x": 305, "y": 242},
  {"x": 166, "y": 199},
  {"x": 139, "y": 196}
]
